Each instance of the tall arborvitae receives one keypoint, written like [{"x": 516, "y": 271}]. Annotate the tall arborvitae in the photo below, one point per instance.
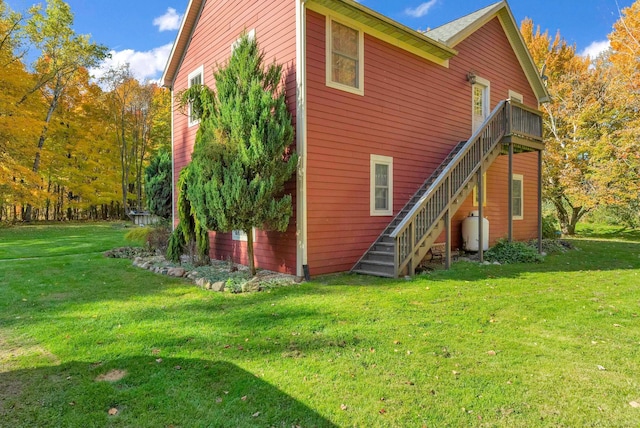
[
  {"x": 157, "y": 179},
  {"x": 242, "y": 158}
]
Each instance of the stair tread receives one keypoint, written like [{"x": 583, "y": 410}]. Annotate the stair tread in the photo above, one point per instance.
[
  {"x": 380, "y": 253},
  {"x": 373, "y": 273},
  {"x": 376, "y": 263}
]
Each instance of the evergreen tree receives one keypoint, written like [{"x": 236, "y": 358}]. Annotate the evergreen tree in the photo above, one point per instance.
[
  {"x": 242, "y": 157},
  {"x": 157, "y": 178}
]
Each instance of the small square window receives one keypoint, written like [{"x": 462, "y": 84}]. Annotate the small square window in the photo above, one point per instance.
[
  {"x": 514, "y": 96},
  {"x": 381, "y": 185},
  {"x": 196, "y": 77},
  {"x": 517, "y": 197},
  {"x": 345, "y": 57},
  {"x": 241, "y": 235}
]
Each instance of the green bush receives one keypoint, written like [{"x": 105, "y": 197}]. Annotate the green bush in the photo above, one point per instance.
[
  {"x": 513, "y": 252},
  {"x": 158, "y": 238},
  {"x": 551, "y": 246},
  {"x": 138, "y": 234},
  {"x": 175, "y": 247},
  {"x": 157, "y": 188},
  {"x": 550, "y": 227},
  {"x": 618, "y": 215}
]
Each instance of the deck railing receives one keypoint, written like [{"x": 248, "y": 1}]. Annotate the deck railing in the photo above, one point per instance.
[{"x": 508, "y": 118}]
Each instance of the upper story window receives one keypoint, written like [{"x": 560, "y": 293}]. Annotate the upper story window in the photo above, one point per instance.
[
  {"x": 196, "y": 77},
  {"x": 345, "y": 57}
]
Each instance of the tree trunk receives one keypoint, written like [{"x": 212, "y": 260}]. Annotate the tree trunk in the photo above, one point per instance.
[
  {"x": 43, "y": 135},
  {"x": 252, "y": 265}
]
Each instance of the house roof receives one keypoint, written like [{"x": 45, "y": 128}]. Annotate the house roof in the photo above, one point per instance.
[
  {"x": 387, "y": 29},
  {"x": 182, "y": 41},
  {"x": 454, "y": 32},
  {"x": 437, "y": 44}
]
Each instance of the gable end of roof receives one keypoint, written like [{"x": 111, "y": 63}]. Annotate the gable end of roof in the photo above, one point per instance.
[
  {"x": 179, "y": 48},
  {"x": 458, "y": 30}
]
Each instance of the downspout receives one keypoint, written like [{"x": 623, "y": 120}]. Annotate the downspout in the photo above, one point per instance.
[
  {"x": 302, "y": 267},
  {"x": 173, "y": 166}
]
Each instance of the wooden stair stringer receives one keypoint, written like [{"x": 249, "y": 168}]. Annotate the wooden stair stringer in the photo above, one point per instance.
[{"x": 423, "y": 247}]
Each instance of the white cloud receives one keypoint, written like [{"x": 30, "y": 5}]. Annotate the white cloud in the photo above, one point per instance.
[
  {"x": 595, "y": 49},
  {"x": 144, "y": 65},
  {"x": 421, "y": 10},
  {"x": 170, "y": 21}
]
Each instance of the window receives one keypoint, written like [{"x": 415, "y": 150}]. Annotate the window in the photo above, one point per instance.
[
  {"x": 517, "y": 197},
  {"x": 381, "y": 180},
  {"x": 516, "y": 96},
  {"x": 484, "y": 192},
  {"x": 240, "y": 235},
  {"x": 251, "y": 34},
  {"x": 345, "y": 57},
  {"x": 196, "y": 77}
]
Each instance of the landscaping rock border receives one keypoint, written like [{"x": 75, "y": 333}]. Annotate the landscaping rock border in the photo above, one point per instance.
[{"x": 216, "y": 276}]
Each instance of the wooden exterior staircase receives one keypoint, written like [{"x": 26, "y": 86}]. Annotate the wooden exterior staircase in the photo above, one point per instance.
[{"x": 407, "y": 239}]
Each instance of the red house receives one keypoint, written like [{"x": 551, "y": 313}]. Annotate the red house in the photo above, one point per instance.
[{"x": 393, "y": 129}]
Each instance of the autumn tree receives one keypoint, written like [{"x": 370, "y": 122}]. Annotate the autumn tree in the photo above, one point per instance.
[
  {"x": 241, "y": 160},
  {"x": 63, "y": 53},
  {"x": 625, "y": 65},
  {"x": 17, "y": 123},
  {"x": 582, "y": 126},
  {"x": 140, "y": 122}
]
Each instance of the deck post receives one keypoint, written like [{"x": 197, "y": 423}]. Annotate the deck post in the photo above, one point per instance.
[
  {"x": 540, "y": 201},
  {"x": 510, "y": 193},
  {"x": 447, "y": 247},
  {"x": 480, "y": 214}
]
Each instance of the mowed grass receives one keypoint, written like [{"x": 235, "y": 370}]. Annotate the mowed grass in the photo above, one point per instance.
[{"x": 552, "y": 344}]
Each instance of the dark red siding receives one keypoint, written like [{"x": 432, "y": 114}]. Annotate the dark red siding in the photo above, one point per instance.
[
  {"x": 413, "y": 111},
  {"x": 219, "y": 26},
  {"x": 497, "y": 200}
]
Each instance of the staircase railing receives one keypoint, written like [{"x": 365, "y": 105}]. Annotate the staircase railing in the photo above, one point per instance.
[{"x": 505, "y": 119}]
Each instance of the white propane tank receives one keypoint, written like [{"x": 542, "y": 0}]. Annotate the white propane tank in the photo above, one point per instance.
[{"x": 470, "y": 232}]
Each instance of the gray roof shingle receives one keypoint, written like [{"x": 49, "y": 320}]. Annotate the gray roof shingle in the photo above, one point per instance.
[{"x": 448, "y": 31}]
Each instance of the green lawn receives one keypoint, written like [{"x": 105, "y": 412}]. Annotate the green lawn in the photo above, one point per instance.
[{"x": 552, "y": 344}]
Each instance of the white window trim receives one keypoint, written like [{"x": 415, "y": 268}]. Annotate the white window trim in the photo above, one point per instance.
[
  {"x": 251, "y": 34},
  {"x": 239, "y": 235},
  {"x": 519, "y": 177},
  {"x": 515, "y": 96},
  {"x": 329, "y": 82},
  {"x": 194, "y": 73},
  {"x": 484, "y": 192},
  {"x": 384, "y": 160}
]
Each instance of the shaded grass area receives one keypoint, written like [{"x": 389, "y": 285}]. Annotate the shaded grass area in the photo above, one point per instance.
[{"x": 518, "y": 345}]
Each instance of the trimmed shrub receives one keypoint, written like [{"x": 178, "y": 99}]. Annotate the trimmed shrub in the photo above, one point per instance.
[
  {"x": 513, "y": 252},
  {"x": 138, "y": 235}
]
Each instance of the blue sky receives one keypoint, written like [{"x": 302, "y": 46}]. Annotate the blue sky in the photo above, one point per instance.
[{"x": 141, "y": 32}]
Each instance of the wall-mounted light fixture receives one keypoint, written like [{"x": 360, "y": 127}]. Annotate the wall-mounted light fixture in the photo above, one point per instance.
[{"x": 471, "y": 77}]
